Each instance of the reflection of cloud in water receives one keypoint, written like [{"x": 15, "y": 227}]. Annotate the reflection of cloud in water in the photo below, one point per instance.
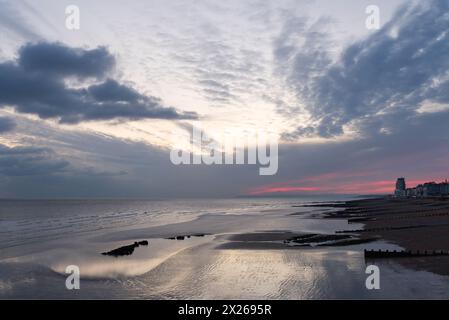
[
  {"x": 254, "y": 274},
  {"x": 100, "y": 268},
  {"x": 195, "y": 269},
  {"x": 93, "y": 265},
  {"x": 202, "y": 272}
]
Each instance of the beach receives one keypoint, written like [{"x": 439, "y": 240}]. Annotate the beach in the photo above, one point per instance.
[
  {"x": 414, "y": 224},
  {"x": 208, "y": 249}
]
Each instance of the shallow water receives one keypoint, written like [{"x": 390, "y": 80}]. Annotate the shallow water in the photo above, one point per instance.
[{"x": 40, "y": 238}]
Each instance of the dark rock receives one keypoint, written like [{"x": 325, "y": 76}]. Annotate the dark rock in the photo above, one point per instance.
[
  {"x": 371, "y": 254},
  {"x": 122, "y": 251},
  {"x": 125, "y": 250},
  {"x": 182, "y": 237}
]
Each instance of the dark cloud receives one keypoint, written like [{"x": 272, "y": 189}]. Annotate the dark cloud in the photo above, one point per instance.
[
  {"x": 35, "y": 84},
  {"x": 124, "y": 168},
  {"x": 111, "y": 90},
  {"x": 105, "y": 166},
  {"x": 57, "y": 60},
  {"x": 6, "y": 124},
  {"x": 29, "y": 161},
  {"x": 392, "y": 72}
]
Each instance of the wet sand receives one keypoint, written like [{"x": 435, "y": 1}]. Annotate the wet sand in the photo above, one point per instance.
[
  {"x": 290, "y": 253},
  {"x": 413, "y": 224}
]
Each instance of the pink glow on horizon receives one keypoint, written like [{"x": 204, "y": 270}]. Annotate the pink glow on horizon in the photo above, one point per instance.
[
  {"x": 332, "y": 183},
  {"x": 282, "y": 189}
]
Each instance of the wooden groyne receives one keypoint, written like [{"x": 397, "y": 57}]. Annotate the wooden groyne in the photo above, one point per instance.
[
  {"x": 376, "y": 254},
  {"x": 392, "y": 228},
  {"x": 414, "y": 216}
]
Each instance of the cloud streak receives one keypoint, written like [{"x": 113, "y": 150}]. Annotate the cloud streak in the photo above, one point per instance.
[{"x": 391, "y": 72}]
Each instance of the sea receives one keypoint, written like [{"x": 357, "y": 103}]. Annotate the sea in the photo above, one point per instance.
[{"x": 41, "y": 239}]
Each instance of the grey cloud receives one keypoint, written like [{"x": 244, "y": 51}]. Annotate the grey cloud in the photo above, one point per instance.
[
  {"x": 55, "y": 59},
  {"x": 298, "y": 132},
  {"x": 12, "y": 21},
  {"x": 392, "y": 71},
  {"x": 29, "y": 161},
  {"x": 6, "y": 124},
  {"x": 125, "y": 168},
  {"x": 35, "y": 85},
  {"x": 221, "y": 70},
  {"x": 302, "y": 49},
  {"x": 105, "y": 166},
  {"x": 404, "y": 151},
  {"x": 111, "y": 90}
]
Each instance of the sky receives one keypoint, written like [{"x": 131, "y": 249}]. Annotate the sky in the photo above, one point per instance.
[{"x": 94, "y": 111}]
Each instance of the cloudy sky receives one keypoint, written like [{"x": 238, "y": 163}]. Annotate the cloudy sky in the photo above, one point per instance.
[{"x": 93, "y": 112}]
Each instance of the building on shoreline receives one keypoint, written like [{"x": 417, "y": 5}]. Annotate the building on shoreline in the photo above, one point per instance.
[
  {"x": 401, "y": 190},
  {"x": 428, "y": 189}
]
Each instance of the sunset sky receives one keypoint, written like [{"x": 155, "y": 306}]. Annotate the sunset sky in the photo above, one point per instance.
[{"x": 93, "y": 112}]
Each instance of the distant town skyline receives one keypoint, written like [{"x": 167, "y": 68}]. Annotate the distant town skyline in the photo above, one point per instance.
[{"x": 426, "y": 189}]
